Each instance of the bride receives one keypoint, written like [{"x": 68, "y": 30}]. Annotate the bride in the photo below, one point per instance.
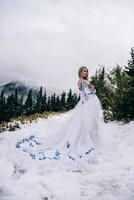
[{"x": 77, "y": 138}]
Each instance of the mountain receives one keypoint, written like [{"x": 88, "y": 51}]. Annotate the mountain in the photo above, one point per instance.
[{"x": 23, "y": 88}]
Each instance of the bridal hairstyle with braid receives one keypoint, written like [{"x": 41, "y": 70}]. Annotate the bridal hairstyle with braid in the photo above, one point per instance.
[{"x": 80, "y": 70}]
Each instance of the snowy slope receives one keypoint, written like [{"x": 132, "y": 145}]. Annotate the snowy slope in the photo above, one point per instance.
[{"x": 112, "y": 178}]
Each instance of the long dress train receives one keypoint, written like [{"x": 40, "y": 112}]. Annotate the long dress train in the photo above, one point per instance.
[{"x": 77, "y": 138}]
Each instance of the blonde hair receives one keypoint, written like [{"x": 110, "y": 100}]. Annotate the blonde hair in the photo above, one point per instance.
[{"x": 80, "y": 70}]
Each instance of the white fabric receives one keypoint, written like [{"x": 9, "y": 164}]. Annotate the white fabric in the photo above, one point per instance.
[{"x": 79, "y": 131}]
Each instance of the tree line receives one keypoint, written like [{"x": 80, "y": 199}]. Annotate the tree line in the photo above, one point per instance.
[
  {"x": 14, "y": 106},
  {"x": 115, "y": 88}
]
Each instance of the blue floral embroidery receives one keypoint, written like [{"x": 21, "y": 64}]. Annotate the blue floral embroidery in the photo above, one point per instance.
[
  {"x": 32, "y": 155},
  {"x": 71, "y": 157},
  {"x": 87, "y": 152},
  {"x": 25, "y": 150},
  {"x": 41, "y": 155},
  {"x": 68, "y": 144},
  {"x": 56, "y": 157},
  {"x": 30, "y": 140}
]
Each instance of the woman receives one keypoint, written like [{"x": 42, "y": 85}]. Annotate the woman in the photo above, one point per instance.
[{"x": 76, "y": 140}]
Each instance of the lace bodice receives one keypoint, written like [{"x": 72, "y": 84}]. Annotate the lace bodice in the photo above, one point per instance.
[{"x": 85, "y": 91}]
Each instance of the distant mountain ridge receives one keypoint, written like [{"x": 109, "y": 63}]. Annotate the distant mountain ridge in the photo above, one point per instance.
[{"x": 23, "y": 88}]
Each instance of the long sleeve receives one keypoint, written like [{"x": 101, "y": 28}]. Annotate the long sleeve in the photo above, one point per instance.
[{"x": 85, "y": 91}]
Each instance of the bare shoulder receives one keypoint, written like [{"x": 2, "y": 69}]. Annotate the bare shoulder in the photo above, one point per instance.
[{"x": 79, "y": 82}]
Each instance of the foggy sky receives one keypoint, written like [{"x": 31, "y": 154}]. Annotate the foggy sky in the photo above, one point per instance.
[{"x": 46, "y": 41}]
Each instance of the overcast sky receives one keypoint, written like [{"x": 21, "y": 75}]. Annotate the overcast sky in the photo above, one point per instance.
[{"x": 46, "y": 41}]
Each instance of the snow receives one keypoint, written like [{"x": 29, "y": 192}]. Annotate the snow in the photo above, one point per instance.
[{"x": 111, "y": 178}]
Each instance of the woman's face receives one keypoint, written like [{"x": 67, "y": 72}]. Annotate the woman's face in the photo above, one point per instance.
[{"x": 84, "y": 73}]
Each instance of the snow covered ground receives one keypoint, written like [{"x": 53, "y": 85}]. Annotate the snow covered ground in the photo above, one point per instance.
[{"x": 112, "y": 178}]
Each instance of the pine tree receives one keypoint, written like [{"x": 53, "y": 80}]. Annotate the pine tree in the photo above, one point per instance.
[
  {"x": 44, "y": 102},
  {"x": 58, "y": 104},
  {"x": 21, "y": 106},
  {"x": 49, "y": 104},
  {"x": 10, "y": 108},
  {"x": 39, "y": 101},
  {"x": 69, "y": 102},
  {"x": 117, "y": 92},
  {"x": 63, "y": 101},
  {"x": 53, "y": 102},
  {"x": 2, "y": 106},
  {"x": 75, "y": 99},
  {"x": 28, "y": 106},
  {"x": 130, "y": 92},
  {"x": 16, "y": 105},
  {"x": 99, "y": 80}
]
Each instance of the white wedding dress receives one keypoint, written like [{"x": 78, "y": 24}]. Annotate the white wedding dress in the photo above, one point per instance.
[{"x": 77, "y": 138}]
